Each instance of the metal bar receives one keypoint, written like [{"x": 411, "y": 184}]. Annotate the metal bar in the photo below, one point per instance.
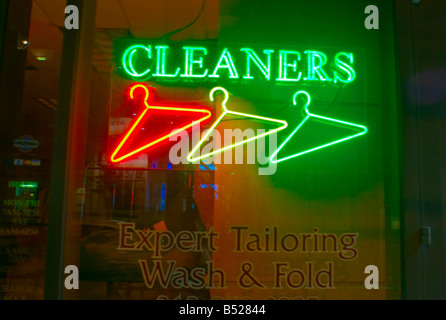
[{"x": 67, "y": 121}]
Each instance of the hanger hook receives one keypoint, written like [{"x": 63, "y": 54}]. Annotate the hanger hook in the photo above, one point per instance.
[
  {"x": 225, "y": 92},
  {"x": 308, "y": 99},
  {"x": 146, "y": 90}
]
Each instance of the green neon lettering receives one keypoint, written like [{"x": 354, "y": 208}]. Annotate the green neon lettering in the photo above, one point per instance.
[
  {"x": 252, "y": 56},
  {"x": 347, "y": 68},
  {"x": 284, "y": 65},
  {"x": 161, "y": 63},
  {"x": 316, "y": 68},
  {"x": 189, "y": 62},
  {"x": 229, "y": 64},
  {"x": 225, "y": 112},
  {"x": 128, "y": 60},
  {"x": 357, "y": 127},
  {"x": 137, "y": 63}
]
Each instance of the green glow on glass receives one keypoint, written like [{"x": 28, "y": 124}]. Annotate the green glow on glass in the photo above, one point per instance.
[
  {"x": 189, "y": 62},
  {"x": 284, "y": 65},
  {"x": 363, "y": 130},
  {"x": 229, "y": 64},
  {"x": 127, "y": 60},
  {"x": 252, "y": 56},
  {"x": 316, "y": 68},
  {"x": 345, "y": 67},
  {"x": 29, "y": 185},
  {"x": 161, "y": 63},
  {"x": 226, "y": 112}
]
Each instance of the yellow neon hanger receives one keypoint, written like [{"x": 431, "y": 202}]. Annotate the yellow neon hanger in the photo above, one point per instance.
[{"x": 191, "y": 157}]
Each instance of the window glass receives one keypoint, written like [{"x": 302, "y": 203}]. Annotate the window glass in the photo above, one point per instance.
[
  {"x": 318, "y": 89},
  {"x": 214, "y": 150},
  {"x": 30, "y": 63}
]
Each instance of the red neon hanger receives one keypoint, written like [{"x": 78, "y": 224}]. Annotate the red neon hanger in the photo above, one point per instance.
[{"x": 118, "y": 155}]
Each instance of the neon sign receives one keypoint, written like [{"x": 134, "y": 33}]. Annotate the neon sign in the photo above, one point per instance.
[
  {"x": 191, "y": 157},
  {"x": 361, "y": 130},
  {"x": 205, "y": 63},
  {"x": 171, "y": 61},
  {"x": 126, "y": 149}
]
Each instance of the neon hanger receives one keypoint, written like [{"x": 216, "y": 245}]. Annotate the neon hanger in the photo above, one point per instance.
[
  {"x": 205, "y": 114},
  {"x": 363, "y": 130},
  {"x": 226, "y": 112}
]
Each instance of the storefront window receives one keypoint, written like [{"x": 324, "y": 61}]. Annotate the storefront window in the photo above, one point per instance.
[{"x": 214, "y": 150}]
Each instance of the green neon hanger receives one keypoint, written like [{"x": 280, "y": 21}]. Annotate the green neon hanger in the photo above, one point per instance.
[
  {"x": 362, "y": 131},
  {"x": 191, "y": 157}
]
